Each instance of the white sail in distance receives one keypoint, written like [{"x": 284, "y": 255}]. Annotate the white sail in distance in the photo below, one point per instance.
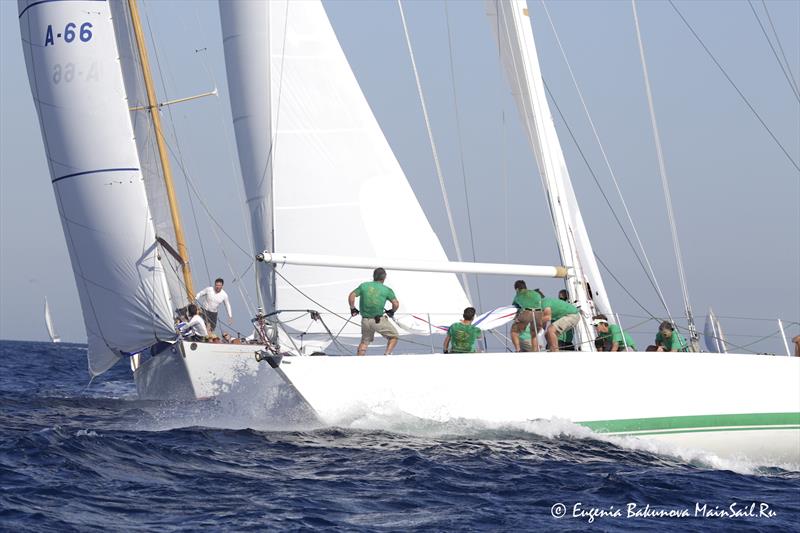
[
  {"x": 511, "y": 23},
  {"x": 48, "y": 322},
  {"x": 71, "y": 56},
  {"x": 320, "y": 175}
]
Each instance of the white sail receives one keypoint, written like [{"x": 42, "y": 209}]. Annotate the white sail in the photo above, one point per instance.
[
  {"x": 48, "y": 321},
  {"x": 320, "y": 175},
  {"x": 150, "y": 164},
  {"x": 712, "y": 334},
  {"x": 71, "y": 56},
  {"x": 510, "y": 20}
]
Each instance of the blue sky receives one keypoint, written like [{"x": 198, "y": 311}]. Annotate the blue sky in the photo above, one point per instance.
[{"x": 737, "y": 197}]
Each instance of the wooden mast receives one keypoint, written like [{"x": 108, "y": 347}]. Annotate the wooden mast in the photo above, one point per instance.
[{"x": 152, "y": 105}]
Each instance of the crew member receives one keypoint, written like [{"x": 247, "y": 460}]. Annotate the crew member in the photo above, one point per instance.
[
  {"x": 462, "y": 334},
  {"x": 619, "y": 340},
  {"x": 527, "y": 302},
  {"x": 210, "y": 299},
  {"x": 194, "y": 330},
  {"x": 563, "y": 316},
  {"x": 372, "y": 298},
  {"x": 669, "y": 340}
]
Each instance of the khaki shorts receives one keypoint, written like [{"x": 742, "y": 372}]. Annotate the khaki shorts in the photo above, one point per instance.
[
  {"x": 369, "y": 328},
  {"x": 566, "y": 322},
  {"x": 525, "y": 318}
]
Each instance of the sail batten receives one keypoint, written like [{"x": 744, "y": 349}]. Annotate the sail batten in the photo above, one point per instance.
[{"x": 76, "y": 82}]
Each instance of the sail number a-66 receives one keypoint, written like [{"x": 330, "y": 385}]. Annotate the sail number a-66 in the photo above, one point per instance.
[{"x": 71, "y": 33}]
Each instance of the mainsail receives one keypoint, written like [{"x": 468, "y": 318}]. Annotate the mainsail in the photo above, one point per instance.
[
  {"x": 511, "y": 23},
  {"x": 48, "y": 321},
  {"x": 319, "y": 174},
  {"x": 71, "y": 56}
]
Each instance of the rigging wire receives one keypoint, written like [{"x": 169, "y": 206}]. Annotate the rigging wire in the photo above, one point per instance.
[
  {"x": 649, "y": 270},
  {"x": 780, "y": 46},
  {"x": 664, "y": 181},
  {"x": 603, "y": 194},
  {"x": 179, "y": 156},
  {"x": 461, "y": 149},
  {"x": 736, "y": 88},
  {"x": 435, "y": 153},
  {"x": 789, "y": 79}
]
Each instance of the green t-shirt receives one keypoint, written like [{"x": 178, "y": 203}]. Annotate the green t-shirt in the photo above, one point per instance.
[
  {"x": 527, "y": 299},
  {"x": 559, "y": 308},
  {"x": 615, "y": 334},
  {"x": 372, "y": 298},
  {"x": 567, "y": 336},
  {"x": 463, "y": 337},
  {"x": 675, "y": 342}
]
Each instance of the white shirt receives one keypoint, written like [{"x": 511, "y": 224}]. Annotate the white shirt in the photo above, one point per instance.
[
  {"x": 196, "y": 326},
  {"x": 210, "y": 299}
]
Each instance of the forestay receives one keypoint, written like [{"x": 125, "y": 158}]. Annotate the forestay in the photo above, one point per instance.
[
  {"x": 77, "y": 86},
  {"x": 511, "y": 23},
  {"x": 319, "y": 173}
]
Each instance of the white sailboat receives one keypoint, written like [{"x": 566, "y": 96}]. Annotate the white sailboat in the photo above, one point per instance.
[
  {"x": 311, "y": 150},
  {"x": 48, "y": 322},
  {"x": 316, "y": 169}
]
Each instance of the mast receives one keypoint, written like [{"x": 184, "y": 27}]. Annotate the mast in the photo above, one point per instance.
[{"x": 152, "y": 105}]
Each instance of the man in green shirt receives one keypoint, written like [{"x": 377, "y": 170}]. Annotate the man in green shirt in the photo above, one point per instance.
[
  {"x": 373, "y": 296},
  {"x": 565, "y": 339},
  {"x": 612, "y": 334},
  {"x": 563, "y": 316},
  {"x": 461, "y": 336},
  {"x": 527, "y": 303},
  {"x": 669, "y": 340}
]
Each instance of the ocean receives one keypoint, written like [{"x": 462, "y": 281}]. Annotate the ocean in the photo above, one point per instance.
[{"x": 96, "y": 458}]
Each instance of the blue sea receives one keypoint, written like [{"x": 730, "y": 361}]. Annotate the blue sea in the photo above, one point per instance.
[{"x": 96, "y": 458}]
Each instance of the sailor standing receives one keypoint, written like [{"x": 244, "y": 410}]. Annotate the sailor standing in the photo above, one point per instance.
[
  {"x": 210, "y": 299},
  {"x": 373, "y": 296}
]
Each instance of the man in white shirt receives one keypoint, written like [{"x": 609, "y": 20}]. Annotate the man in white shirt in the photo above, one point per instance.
[
  {"x": 210, "y": 299},
  {"x": 195, "y": 329}
]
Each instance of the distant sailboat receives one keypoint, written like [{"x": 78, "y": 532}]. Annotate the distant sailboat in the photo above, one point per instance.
[{"x": 48, "y": 321}]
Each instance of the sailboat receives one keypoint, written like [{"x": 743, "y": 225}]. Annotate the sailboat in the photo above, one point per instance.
[
  {"x": 317, "y": 170},
  {"x": 48, "y": 322}
]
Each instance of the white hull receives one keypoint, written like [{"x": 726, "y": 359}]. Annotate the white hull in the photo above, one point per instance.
[
  {"x": 742, "y": 406},
  {"x": 199, "y": 371}
]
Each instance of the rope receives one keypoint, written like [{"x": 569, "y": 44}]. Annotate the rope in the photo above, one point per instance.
[
  {"x": 789, "y": 79},
  {"x": 664, "y": 181},
  {"x": 439, "y": 174},
  {"x": 652, "y": 276},
  {"x": 727, "y": 77},
  {"x": 461, "y": 148},
  {"x": 780, "y": 46}
]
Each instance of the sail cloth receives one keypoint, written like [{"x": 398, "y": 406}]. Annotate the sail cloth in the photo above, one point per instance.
[
  {"x": 319, "y": 173},
  {"x": 145, "y": 136},
  {"x": 511, "y": 22},
  {"x": 71, "y": 56}
]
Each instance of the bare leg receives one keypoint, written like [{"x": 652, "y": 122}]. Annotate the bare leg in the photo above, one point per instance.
[
  {"x": 362, "y": 348},
  {"x": 552, "y": 339},
  {"x": 390, "y": 344},
  {"x": 515, "y": 337}
]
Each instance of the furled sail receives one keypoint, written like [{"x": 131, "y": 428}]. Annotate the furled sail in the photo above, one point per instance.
[
  {"x": 713, "y": 335},
  {"x": 511, "y": 23},
  {"x": 71, "y": 56},
  {"x": 150, "y": 163},
  {"x": 48, "y": 321},
  {"x": 320, "y": 176}
]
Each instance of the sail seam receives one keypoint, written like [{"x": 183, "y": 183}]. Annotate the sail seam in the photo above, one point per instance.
[{"x": 97, "y": 171}]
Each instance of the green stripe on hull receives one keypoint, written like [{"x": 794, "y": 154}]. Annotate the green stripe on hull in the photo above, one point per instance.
[{"x": 686, "y": 424}]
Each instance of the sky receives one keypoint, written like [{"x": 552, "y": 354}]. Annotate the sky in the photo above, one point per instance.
[{"x": 736, "y": 195}]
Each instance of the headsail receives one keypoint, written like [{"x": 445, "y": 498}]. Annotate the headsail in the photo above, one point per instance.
[
  {"x": 319, "y": 173},
  {"x": 71, "y": 56},
  {"x": 48, "y": 321},
  {"x": 510, "y": 20},
  {"x": 144, "y": 134}
]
